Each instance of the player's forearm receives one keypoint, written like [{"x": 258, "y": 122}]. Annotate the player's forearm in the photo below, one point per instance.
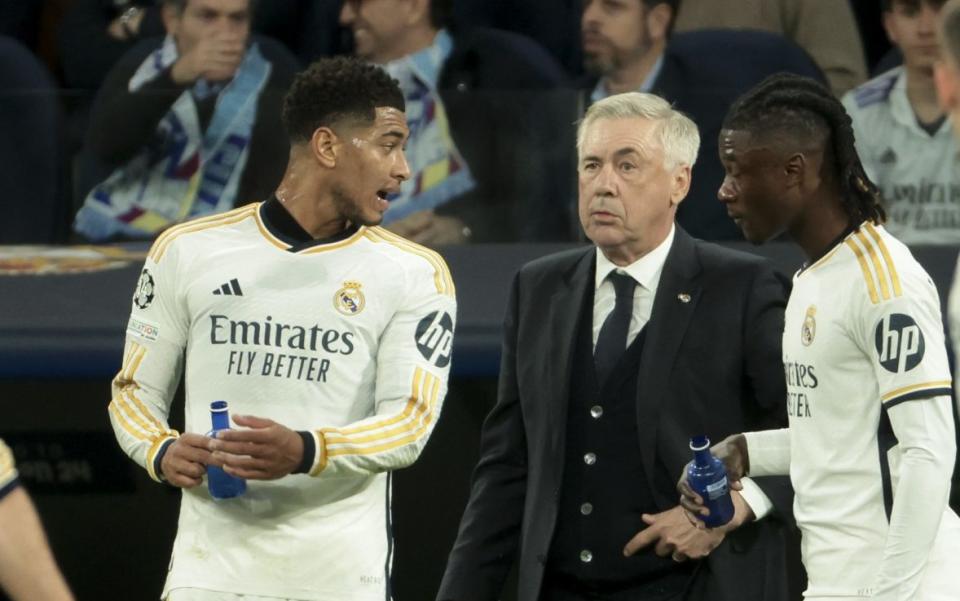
[
  {"x": 769, "y": 452},
  {"x": 924, "y": 429},
  {"x": 920, "y": 497},
  {"x": 27, "y": 568}
]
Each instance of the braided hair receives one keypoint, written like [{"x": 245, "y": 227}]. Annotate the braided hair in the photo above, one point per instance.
[{"x": 804, "y": 109}]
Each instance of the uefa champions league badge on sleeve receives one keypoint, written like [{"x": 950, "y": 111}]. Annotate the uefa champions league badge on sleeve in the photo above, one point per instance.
[{"x": 56, "y": 260}]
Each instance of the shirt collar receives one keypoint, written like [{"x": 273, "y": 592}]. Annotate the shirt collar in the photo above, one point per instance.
[
  {"x": 425, "y": 64},
  {"x": 600, "y": 90},
  {"x": 646, "y": 270}
]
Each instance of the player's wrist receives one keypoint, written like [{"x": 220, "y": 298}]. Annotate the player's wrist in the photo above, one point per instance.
[{"x": 309, "y": 455}]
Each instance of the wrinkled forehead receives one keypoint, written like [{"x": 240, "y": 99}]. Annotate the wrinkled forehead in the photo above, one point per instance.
[{"x": 611, "y": 134}]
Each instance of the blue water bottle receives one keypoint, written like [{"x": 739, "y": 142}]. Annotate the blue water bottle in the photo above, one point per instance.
[
  {"x": 221, "y": 484},
  {"x": 708, "y": 477}
]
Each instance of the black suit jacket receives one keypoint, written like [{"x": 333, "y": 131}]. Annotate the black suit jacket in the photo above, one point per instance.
[{"x": 711, "y": 364}]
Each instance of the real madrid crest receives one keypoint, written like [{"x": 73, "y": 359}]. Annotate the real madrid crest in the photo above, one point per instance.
[
  {"x": 809, "y": 328},
  {"x": 349, "y": 300}
]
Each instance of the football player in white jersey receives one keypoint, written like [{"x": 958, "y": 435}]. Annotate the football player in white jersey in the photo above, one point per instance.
[
  {"x": 329, "y": 337},
  {"x": 870, "y": 445},
  {"x": 28, "y": 571}
]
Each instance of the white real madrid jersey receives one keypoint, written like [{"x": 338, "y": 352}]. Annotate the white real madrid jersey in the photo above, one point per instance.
[
  {"x": 918, "y": 173},
  {"x": 350, "y": 340},
  {"x": 862, "y": 336}
]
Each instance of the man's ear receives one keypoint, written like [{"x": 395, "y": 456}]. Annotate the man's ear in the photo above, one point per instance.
[
  {"x": 417, "y": 11},
  {"x": 658, "y": 22},
  {"x": 795, "y": 169},
  {"x": 171, "y": 18},
  {"x": 680, "y": 184},
  {"x": 325, "y": 146}
]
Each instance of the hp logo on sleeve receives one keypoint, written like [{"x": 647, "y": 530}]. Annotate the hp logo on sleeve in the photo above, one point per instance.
[
  {"x": 899, "y": 343},
  {"x": 434, "y": 338}
]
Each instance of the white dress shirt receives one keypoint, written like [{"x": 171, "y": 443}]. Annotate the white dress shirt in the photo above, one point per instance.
[{"x": 646, "y": 271}]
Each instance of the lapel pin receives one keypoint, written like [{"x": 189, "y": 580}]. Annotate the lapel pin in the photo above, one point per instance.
[{"x": 683, "y": 297}]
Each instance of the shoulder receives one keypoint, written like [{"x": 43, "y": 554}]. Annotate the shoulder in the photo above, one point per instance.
[
  {"x": 883, "y": 269},
  {"x": 556, "y": 264},
  {"x": 417, "y": 262},
  {"x": 197, "y": 233},
  {"x": 715, "y": 259},
  {"x": 874, "y": 93}
]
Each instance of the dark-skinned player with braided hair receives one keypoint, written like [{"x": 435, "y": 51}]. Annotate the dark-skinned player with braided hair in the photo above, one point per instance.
[{"x": 870, "y": 444}]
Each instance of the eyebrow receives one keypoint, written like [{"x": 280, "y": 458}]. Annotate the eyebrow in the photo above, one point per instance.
[
  {"x": 622, "y": 152},
  {"x": 394, "y": 133}
]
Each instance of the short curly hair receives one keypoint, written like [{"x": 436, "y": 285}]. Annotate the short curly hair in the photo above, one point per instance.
[{"x": 332, "y": 90}]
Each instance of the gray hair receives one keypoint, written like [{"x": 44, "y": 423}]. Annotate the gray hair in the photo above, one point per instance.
[
  {"x": 950, "y": 31},
  {"x": 678, "y": 135}
]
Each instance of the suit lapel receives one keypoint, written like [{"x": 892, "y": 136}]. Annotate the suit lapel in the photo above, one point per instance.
[
  {"x": 563, "y": 313},
  {"x": 673, "y": 306}
]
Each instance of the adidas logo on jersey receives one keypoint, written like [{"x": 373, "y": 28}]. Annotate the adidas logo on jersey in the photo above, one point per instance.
[{"x": 231, "y": 288}]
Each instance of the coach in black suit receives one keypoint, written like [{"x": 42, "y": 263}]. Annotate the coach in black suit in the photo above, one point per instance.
[{"x": 612, "y": 358}]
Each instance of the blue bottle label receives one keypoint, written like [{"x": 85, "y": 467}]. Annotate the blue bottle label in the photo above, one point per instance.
[{"x": 717, "y": 489}]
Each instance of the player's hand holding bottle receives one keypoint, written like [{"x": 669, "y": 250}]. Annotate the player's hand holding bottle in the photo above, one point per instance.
[{"x": 732, "y": 451}]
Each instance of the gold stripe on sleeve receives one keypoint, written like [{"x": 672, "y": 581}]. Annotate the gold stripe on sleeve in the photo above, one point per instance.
[
  {"x": 891, "y": 268},
  {"x": 198, "y": 225},
  {"x": 877, "y": 267},
  {"x": 916, "y": 387},
  {"x": 413, "y": 436},
  {"x": 871, "y": 288}
]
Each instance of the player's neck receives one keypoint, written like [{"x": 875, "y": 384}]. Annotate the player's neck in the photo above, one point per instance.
[
  {"x": 310, "y": 206},
  {"x": 821, "y": 224},
  {"x": 630, "y": 76}
]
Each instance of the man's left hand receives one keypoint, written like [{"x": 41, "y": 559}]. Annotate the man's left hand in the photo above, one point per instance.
[
  {"x": 674, "y": 536},
  {"x": 265, "y": 450}
]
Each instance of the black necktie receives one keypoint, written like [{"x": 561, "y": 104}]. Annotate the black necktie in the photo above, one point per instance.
[{"x": 612, "y": 341}]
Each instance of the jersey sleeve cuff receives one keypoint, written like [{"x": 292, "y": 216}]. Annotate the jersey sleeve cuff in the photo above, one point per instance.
[
  {"x": 320, "y": 459},
  {"x": 309, "y": 452},
  {"x": 754, "y": 496},
  {"x": 926, "y": 390},
  {"x": 155, "y": 456},
  {"x": 9, "y": 487}
]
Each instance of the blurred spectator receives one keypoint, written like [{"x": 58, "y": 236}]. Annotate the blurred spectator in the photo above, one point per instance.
[
  {"x": 189, "y": 124},
  {"x": 876, "y": 44},
  {"x": 33, "y": 201},
  {"x": 554, "y": 24},
  {"x": 824, "y": 28},
  {"x": 484, "y": 166},
  {"x": 903, "y": 136},
  {"x": 626, "y": 48},
  {"x": 94, "y": 34}
]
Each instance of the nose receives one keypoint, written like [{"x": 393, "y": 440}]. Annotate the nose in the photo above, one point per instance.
[
  {"x": 589, "y": 16},
  {"x": 727, "y": 192},
  {"x": 401, "y": 169},
  {"x": 928, "y": 20},
  {"x": 347, "y": 13}
]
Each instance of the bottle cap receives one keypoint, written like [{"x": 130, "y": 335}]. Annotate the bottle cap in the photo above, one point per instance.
[
  {"x": 699, "y": 443},
  {"x": 218, "y": 406}
]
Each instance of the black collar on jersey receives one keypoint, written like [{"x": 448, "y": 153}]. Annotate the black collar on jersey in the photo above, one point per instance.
[
  {"x": 281, "y": 224},
  {"x": 836, "y": 242}
]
